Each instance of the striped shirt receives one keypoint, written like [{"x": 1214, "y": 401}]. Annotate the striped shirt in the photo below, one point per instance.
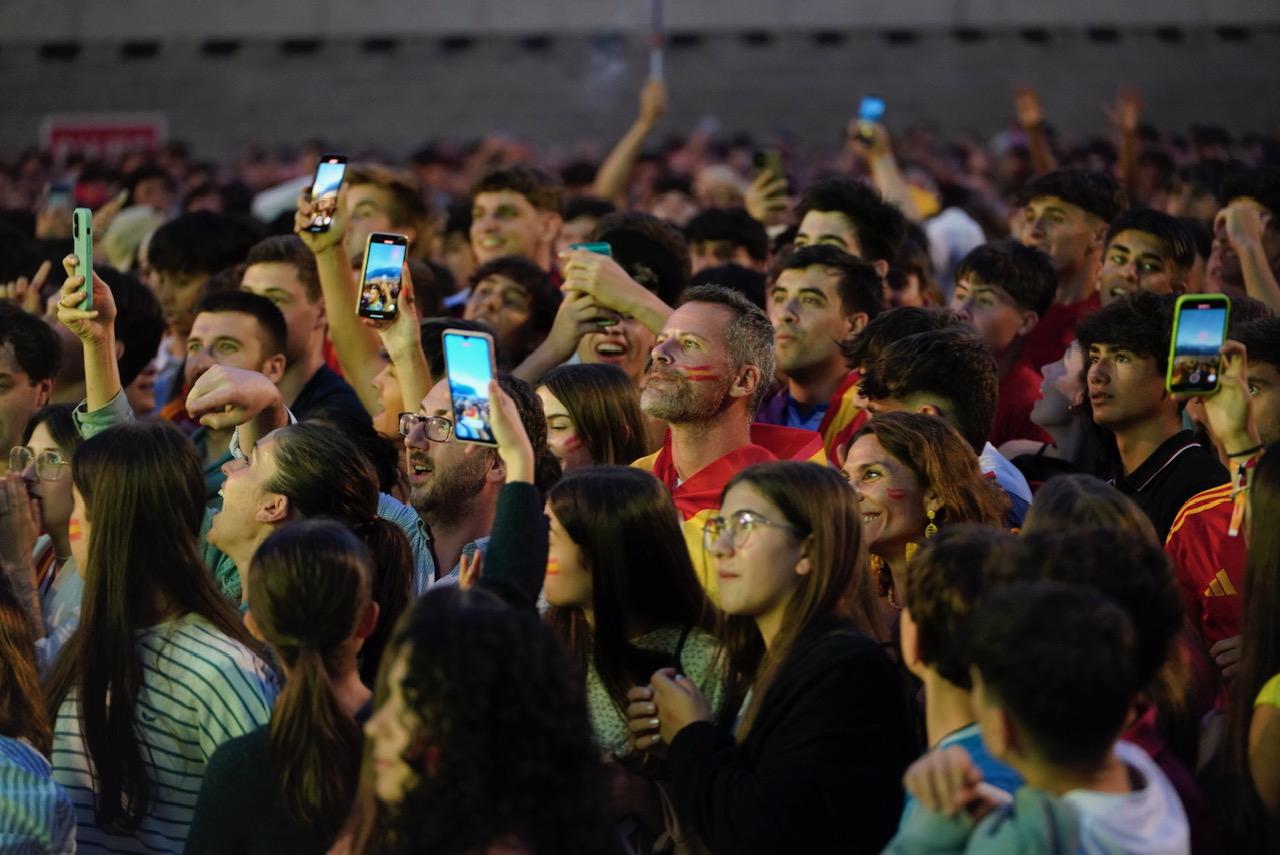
[
  {"x": 35, "y": 814},
  {"x": 199, "y": 689}
]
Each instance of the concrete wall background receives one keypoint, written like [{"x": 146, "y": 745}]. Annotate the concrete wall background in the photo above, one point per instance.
[{"x": 567, "y": 85}]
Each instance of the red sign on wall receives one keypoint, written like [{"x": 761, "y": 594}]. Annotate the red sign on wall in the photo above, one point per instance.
[{"x": 102, "y": 135}]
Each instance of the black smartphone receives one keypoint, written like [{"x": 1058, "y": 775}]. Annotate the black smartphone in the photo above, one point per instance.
[
  {"x": 324, "y": 191},
  {"x": 382, "y": 276},
  {"x": 1199, "y": 331},
  {"x": 769, "y": 160},
  {"x": 469, "y": 366}
]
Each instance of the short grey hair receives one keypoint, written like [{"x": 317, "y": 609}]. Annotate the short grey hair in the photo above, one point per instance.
[{"x": 748, "y": 338}]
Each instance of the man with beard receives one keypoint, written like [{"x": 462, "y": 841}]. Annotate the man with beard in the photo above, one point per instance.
[
  {"x": 1245, "y": 258},
  {"x": 455, "y": 484},
  {"x": 820, "y": 296},
  {"x": 710, "y": 372}
]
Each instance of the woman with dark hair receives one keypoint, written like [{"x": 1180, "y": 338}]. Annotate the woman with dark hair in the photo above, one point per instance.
[
  {"x": 48, "y": 585},
  {"x": 286, "y": 787},
  {"x": 624, "y": 597},
  {"x": 1253, "y": 731},
  {"x": 814, "y": 762},
  {"x": 480, "y": 743},
  {"x": 310, "y": 470},
  {"x": 160, "y": 670},
  {"x": 593, "y": 416},
  {"x": 35, "y": 813},
  {"x": 913, "y": 473}
]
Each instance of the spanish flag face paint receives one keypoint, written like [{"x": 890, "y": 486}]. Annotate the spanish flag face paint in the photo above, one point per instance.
[
  {"x": 553, "y": 566},
  {"x": 74, "y": 531}
]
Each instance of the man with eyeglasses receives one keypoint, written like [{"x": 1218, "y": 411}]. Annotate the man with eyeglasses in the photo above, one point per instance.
[
  {"x": 29, "y": 360},
  {"x": 454, "y": 485}
]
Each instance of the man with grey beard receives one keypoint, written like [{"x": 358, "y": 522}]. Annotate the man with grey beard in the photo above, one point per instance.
[
  {"x": 711, "y": 368},
  {"x": 455, "y": 484}
]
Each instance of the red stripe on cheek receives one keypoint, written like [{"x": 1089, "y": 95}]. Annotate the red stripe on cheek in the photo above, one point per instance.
[
  {"x": 74, "y": 532},
  {"x": 553, "y": 566},
  {"x": 572, "y": 443},
  {"x": 696, "y": 368},
  {"x": 896, "y": 493}
]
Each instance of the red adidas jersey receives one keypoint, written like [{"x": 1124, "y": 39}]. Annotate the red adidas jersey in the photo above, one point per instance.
[{"x": 1209, "y": 564}]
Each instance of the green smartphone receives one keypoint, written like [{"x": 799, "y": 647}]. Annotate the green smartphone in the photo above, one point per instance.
[
  {"x": 1199, "y": 331},
  {"x": 599, "y": 247},
  {"x": 82, "y": 237}
]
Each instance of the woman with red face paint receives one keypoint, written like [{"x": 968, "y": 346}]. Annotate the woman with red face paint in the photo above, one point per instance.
[
  {"x": 593, "y": 416},
  {"x": 913, "y": 474}
]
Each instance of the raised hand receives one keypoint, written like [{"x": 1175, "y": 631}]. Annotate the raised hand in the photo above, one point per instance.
[
  {"x": 26, "y": 292},
  {"x": 766, "y": 198},
  {"x": 653, "y": 101},
  {"x": 1026, "y": 106},
  {"x": 1126, "y": 111},
  {"x": 95, "y": 325},
  {"x": 319, "y": 242},
  {"x": 514, "y": 446}
]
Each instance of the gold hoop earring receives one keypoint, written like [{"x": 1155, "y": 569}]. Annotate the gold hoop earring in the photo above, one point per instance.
[{"x": 931, "y": 529}]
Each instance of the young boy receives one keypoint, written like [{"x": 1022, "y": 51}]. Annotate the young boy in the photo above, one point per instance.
[
  {"x": 946, "y": 581},
  {"x": 1002, "y": 290},
  {"x": 1127, "y": 350},
  {"x": 1053, "y": 677}
]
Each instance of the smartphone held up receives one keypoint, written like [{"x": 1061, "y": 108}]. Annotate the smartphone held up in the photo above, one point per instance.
[
  {"x": 469, "y": 367},
  {"x": 324, "y": 191},
  {"x": 382, "y": 276},
  {"x": 870, "y": 112},
  {"x": 82, "y": 246},
  {"x": 1199, "y": 331}
]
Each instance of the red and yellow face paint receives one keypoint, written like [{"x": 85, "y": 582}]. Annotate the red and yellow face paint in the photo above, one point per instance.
[
  {"x": 74, "y": 530},
  {"x": 553, "y": 566}
]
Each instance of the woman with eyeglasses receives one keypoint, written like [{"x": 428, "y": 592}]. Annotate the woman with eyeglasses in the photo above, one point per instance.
[
  {"x": 38, "y": 502},
  {"x": 814, "y": 760}
]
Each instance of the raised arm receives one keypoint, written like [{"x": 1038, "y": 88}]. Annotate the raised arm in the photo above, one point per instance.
[
  {"x": 96, "y": 330},
  {"x": 1123, "y": 116},
  {"x": 885, "y": 174},
  {"x": 1026, "y": 103},
  {"x": 403, "y": 340},
  {"x": 1244, "y": 221},
  {"x": 611, "y": 179},
  {"x": 356, "y": 344}
]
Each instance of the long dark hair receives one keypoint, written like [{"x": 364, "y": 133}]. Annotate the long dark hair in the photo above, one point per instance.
[
  {"x": 22, "y": 714},
  {"x": 604, "y": 404},
  {"x": 1260, "y": 640},
  {"x": 308, "y": 588},
  {"x": 820, "y": 504},
  {"x": 324, "y": 474},
  {"x": 628, "y": 529},
  {"x": 491, "y": 688},
  {"x": 143, "y": 492}
]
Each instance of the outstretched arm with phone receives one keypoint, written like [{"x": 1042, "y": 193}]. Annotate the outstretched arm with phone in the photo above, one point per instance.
[
  {"x": 402, "y": 337},
  {"x": 874, "y": 146},
  {"x": 97, "y": 333},
  {"x": 356, "y": 344}
]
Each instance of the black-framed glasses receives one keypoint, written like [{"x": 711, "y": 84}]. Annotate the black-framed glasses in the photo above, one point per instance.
[
  {"x": 739, "y": 527},
  {"x": 49, "y": 464},
  {"x": 437, "y": 428}
]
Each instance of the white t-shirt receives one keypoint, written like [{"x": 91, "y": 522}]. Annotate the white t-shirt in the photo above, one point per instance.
[{"x": 1147, "y": 821}]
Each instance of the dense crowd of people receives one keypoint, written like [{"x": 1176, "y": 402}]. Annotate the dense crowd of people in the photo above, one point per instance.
[{"x": 836, "y": 500}]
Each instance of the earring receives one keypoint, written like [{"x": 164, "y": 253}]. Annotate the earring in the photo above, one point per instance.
[{"x": 931, "y": 529}]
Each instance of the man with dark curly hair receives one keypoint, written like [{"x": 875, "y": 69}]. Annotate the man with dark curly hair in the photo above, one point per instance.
[
  {"x": 1127, "y": 351},
  {"x": 852, "y": 216}
]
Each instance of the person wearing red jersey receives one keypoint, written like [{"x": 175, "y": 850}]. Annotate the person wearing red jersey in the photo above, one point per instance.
[
  {"x": 710, "y": 372},
  {"x": 1208, "y": 560}
]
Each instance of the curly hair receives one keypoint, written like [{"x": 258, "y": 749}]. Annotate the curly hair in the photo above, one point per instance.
[
  {"x": 879, "y": 225},
  {"x": 491, "y": 688}
]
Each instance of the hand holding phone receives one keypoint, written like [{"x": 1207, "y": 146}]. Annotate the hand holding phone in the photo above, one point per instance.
[
  {"x": 324, "y": 191},
  {"x": 82, "y": 247},
  {"x": 381, "y": 278},
  {"x": 469, "y": 367},
  {"x": 870, "y": 113},
  {"x": 1199, "y": 331}
]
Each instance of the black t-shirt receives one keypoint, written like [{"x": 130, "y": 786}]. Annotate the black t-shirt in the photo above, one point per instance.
[
  {"x": 240, "y": 810},
  {"x": 1174, "y": 472},
  {"x": 328, "y": 392}
]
